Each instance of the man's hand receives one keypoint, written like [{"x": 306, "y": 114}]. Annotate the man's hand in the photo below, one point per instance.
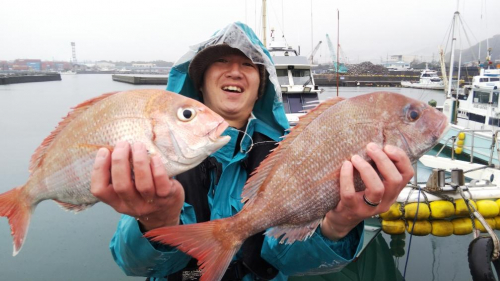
[{"x": 150, "y": 196}]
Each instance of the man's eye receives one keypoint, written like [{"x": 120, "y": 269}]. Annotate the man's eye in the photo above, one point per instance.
[
  {"x": 249, "y": 64},
  {"x": 221, "y": 60}
]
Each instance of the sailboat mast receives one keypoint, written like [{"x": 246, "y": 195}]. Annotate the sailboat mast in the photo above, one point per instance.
[
  {"x": 312, "y": 48},
  {"x": 452, "y": 58},
  {"x": 264, "y": 27},
  {"x": 338, "y": 44}
]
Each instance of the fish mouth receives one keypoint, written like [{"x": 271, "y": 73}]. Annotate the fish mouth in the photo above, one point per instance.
[{"x": 215, "y": 134}]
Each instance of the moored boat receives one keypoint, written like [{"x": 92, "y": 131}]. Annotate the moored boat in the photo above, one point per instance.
[
  {"x": 298, "y": 88},
  {"x": 428, "y": 80}
]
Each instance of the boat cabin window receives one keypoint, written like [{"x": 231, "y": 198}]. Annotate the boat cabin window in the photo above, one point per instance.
[
  {"x": 494, "y": 79},
  {"x": 299, "y": 103},
  {"x": 495, "y": 98},
  {"x": 483, "y": 79},
  {"x": 426, "y": 75},
  {"x": 283, "y": 76},
  {"x": 482, "y": 97},
  {"x": 301, "y": 76}
]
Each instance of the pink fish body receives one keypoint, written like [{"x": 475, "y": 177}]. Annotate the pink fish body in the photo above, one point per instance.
[
  {"x": 298, "y": 183},
  {"x": 182, "y": 131}
]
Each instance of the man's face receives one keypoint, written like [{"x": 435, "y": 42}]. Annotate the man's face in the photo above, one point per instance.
[{"x": 230, "y": 87}]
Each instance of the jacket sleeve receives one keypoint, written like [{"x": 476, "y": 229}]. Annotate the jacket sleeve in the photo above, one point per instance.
[
  {"x": 137, "y": 256},
  {"x": 316, "y": 255}
]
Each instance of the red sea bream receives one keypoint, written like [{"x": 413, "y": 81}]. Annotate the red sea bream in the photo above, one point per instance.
[
  {"x": 182, "y": 131},
  {"x": 298, "y": 183}
]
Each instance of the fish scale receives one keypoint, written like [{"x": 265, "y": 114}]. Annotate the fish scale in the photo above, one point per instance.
[
  {"x": 298, "y": 183},
  {"x": 61, "y": 167}
]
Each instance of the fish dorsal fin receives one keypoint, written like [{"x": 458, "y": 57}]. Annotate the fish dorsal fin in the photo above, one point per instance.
[
  {"x": 37, "y": 158},
  {"x": 256, "y": 182},
  {"x": 311, "y": 115}
]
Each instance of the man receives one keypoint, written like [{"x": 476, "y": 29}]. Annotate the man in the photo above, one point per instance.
[{"x": 232, "y": 73}]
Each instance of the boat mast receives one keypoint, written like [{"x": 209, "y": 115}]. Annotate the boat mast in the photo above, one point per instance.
[
  {"x": 264, "y": 23},
  {"x": 338, "y": 45},
  {"x": 312, "y": 59},
  {"x": 452, "y": 58}
]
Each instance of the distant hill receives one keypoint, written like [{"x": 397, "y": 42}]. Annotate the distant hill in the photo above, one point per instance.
[{"x": 469, "y": 53}]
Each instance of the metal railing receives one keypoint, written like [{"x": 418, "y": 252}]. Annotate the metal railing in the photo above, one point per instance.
[{"x": 494, "y": 143}]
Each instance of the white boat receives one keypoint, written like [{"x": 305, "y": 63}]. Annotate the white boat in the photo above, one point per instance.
[
  {"x": 477, "y": 114},
  {"x": 298, "y": 89},
  {"x": 474, "y": 115},
  {"x": 428, "y": 80}
]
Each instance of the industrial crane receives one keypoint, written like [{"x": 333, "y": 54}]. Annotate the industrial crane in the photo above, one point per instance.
[
  {"x": 314, "y": 52},
  {"x": 341, "y": 68}
]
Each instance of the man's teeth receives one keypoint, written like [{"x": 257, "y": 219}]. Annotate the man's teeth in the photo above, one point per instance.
[{"x": 232, "y": 89}]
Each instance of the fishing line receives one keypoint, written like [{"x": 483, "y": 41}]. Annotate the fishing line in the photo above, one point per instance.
[
  {"x": 252, "y": 144},
  {"x": 411, "y": 234}
]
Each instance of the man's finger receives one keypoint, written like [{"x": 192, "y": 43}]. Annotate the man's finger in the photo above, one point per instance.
[
  {"x": 384, "y": 164},
  {"x": 121, "y": 173},
  {"x": 101, "y": 176},
  {"x": 347, "y": 194},
  {"x": 374, "y": 187},
  {"x": 162, "y": 183},
  {"x": 142, "y": 172},
  {"x": 401, "y": 161}
]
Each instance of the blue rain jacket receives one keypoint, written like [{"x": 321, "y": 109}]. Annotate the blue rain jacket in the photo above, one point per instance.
[{"x": 138, "y": 256}]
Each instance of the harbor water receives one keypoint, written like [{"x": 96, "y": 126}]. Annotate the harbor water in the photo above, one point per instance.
[{"x": 65, "y": 246}]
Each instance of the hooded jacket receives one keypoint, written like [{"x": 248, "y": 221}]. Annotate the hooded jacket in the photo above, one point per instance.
[{"x": 137, "y": 256}]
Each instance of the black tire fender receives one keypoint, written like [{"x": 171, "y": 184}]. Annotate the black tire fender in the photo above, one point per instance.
[{"x": 479, "y": 255}]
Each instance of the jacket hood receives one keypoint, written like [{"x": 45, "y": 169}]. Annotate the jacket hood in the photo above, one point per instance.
[{"x": 268, "y": 108}]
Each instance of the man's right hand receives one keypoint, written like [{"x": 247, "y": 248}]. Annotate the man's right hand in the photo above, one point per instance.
[{"x": 151, "y": 196}]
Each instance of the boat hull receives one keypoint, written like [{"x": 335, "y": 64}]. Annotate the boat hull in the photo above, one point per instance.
[{"x": 408, "y": 84}]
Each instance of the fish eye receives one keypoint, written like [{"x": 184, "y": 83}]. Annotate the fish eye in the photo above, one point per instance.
[
  {"x": 413, "y": 115},
  {"x": 186, "y": 114}
]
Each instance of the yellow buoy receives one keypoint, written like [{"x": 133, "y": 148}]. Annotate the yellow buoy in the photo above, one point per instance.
[
  {"x": 460, "y": 143},
  {"x": 421, "y": 228},
  {"x": 393, "y": 227},
  {"x": 442, "y": 209},
  {"x": 441, "y": 228},
  {"x": 461, "y": 136},
  {"x": 498, "y": 202},
  {"x": 488, "y": 208},
  {"x": 393, "y": 213},
  {"x": 497, "y": 223},
  {"x": 490, "y": 221},
  {"x": 461, "y": 226},
  {"x": 411, "y": 210},
  {"x": 461, "y": 209},
  {"x": 458, "y": 150}
]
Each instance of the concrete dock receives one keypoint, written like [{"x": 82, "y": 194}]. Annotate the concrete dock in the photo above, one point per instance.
[
  {"x": 27, "y": 78},
  {"x": 141, "y": 80}
]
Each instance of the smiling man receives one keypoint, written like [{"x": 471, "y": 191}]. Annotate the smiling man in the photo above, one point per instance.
[
  {"x": 233, "y": 74},
  {"x": 229, "y": 81}
]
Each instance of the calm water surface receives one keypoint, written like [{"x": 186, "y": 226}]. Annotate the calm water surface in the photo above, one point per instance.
[{"x": 63, "y": 246}]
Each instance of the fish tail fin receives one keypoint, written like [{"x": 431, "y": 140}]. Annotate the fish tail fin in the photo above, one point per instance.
[
  {"x": 210, "y": 243},
  {"x": 14, "y": 206}
]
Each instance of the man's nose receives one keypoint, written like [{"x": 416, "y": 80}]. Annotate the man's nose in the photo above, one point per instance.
[{"x": 234, "y": 69}]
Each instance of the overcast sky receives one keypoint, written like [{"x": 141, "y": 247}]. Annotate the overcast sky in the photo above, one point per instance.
[{"x": 132, "y": 30}]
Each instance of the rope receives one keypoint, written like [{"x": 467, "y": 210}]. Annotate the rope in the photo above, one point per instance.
[{"x": 411, "y": 234}]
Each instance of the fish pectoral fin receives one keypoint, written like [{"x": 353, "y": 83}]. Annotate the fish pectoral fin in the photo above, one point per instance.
[
  {"x": 288, "y": 233},
  {"x": 72, "y": 207}
]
